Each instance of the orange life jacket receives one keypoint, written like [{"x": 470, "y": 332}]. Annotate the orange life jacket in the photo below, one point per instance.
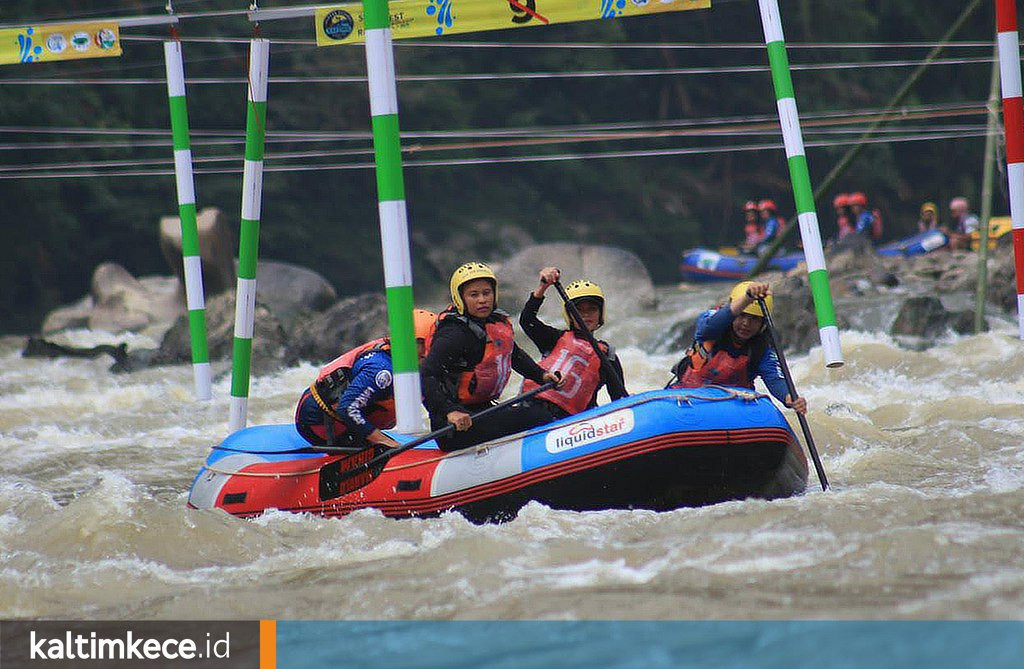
[
  {"x": 574, "y": 358},
  {"x": 335, "y": 376},
  {"x": 708, "y": 362},
  {"x": 485, "y": 381}
]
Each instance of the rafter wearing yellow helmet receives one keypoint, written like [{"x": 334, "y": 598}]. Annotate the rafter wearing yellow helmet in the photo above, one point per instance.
[
  {"x": 472, "y": 356},
  {"x": 731, "y": 347},
  {"x": 570, "y": 352}
]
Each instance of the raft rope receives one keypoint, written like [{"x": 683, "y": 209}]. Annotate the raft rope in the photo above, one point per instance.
[{"x": 730, "y": 394}]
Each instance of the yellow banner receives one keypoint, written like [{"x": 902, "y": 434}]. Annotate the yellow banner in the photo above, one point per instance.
[
  {"x": 59, "y": 41},
  {"x": 343, "y": 24}
]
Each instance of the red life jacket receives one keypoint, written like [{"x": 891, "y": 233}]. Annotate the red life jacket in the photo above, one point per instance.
[
  {"x": 335, "y": 376},
  {"x": 574, "y": 358},
  {"x": 488, "y": 378}
]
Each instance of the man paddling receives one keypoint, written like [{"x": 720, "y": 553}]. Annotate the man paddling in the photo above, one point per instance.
[
  {"x": 353, "y": 396},
  {"x": 731, "y": 348}
]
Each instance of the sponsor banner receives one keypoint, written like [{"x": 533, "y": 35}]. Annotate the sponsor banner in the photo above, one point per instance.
[
  {"x": 614, "y": 424},
  {"x": 102, "y": 644},
  {"x": 59, "y": 41},
  {"x": 343, "y": 24}
]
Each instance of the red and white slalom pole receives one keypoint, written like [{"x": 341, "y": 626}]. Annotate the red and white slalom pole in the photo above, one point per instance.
[{"x": 1013, "y": 124}]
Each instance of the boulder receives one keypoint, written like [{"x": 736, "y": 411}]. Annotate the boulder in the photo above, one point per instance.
[
  {"x": 348, "y": 323},
  {"x": 73, "y": 316},
  {"x": 290, "y": 290},
  {"x": 622, "y": 276},
  {"x": 481, "y": 240},
  {"x": 925, "y": 317},
  {"x": 123, "y": 303},
  {"x": 1002, "y": 277},
  {"x": 269, "y": 350},
  {"x": 216, "y": 249}
]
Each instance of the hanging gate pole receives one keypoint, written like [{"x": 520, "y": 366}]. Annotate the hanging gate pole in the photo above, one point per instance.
[
  {"x": 1013, "y": 123},
  {"x": 249, "y": 237},
  {"x": 810, "y": 233},
  {"x": 193, "y": 268},
  {"x": 394, "y": 227}
]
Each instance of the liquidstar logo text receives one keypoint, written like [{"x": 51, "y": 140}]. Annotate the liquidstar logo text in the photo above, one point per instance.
[{"x": 587, "y": 432}]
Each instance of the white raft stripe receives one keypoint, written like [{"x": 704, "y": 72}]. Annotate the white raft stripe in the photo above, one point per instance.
[{"x": 472, "y": 468}]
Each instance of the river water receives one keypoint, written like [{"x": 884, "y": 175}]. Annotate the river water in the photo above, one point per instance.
[{"x": 925, "y": 520}]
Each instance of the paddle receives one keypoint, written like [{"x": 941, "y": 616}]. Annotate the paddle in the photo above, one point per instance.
[
  {"x": 615, "y": 384},
  {"x": 335, "y": 474},
  {"x": 773, "y": 340}
]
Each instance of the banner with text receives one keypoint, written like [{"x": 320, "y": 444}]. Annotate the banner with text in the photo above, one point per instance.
[
  {"x": 343, "y": 24},
  {"x": 59, "y": 41}
]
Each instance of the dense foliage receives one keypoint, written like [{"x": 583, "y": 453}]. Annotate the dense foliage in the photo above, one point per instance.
[{"x": 56, "y": 230}]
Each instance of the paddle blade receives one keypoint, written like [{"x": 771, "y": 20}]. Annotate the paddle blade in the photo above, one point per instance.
[{"x": 337, "y": 478}]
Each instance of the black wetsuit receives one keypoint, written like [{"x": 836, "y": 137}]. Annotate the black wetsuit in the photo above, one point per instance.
[{"x": 454, "y": 349}]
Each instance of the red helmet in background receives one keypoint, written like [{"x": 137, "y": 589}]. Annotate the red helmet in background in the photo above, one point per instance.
[
  {"x": 841, "y": 200},
  {"x": 859, "y": 198},
  {"x": 767, "y": 204},
  {"x": 750, "y": 206}
]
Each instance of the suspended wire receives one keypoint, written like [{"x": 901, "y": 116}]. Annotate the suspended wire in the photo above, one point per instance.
[
  {"x": 494, "y": 76},
  {"x": 726, "y": 126},
  {"x": 270, "y": 157},
  {"x": 505, "y": 159},
  {"x": 226, "y": 137}
]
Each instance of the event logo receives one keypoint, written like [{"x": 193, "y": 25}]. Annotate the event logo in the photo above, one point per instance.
[
  {"x": 106, "y": 39},
  {"x": 579, "y": 434},
  {"x": 80, "y": 41},
  {"x": 56, "y": 43},
  {"x": 338, "y": 24}
]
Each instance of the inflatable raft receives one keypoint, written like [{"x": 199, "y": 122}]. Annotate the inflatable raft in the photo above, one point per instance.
[
  {"x": 915, "y": 245},
  {"x": 657, "y": 450},
  {"x": 703, "y": 264}
]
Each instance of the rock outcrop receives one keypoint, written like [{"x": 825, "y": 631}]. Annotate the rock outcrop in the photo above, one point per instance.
[
  {"x": 621, "y": 274},
  {"x": 217, "y": 248}
]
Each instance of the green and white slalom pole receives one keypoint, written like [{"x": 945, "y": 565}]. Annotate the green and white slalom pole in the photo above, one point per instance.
[
  {"x": 801, "y": 178},
  {"x": 394, "y": 232},
  {"x": 193, "y": 269},
  {"x": 249, "y": 237}
]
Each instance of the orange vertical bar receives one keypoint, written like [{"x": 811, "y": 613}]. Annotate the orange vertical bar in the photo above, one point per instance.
[{"x": 268, "y": 644}]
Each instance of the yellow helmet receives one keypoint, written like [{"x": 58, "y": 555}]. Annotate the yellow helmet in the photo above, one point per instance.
[
  {"x": 466, "y": 273},
  {"x": 753, "y": 308},
  {"x": 584, "y": 290}
]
